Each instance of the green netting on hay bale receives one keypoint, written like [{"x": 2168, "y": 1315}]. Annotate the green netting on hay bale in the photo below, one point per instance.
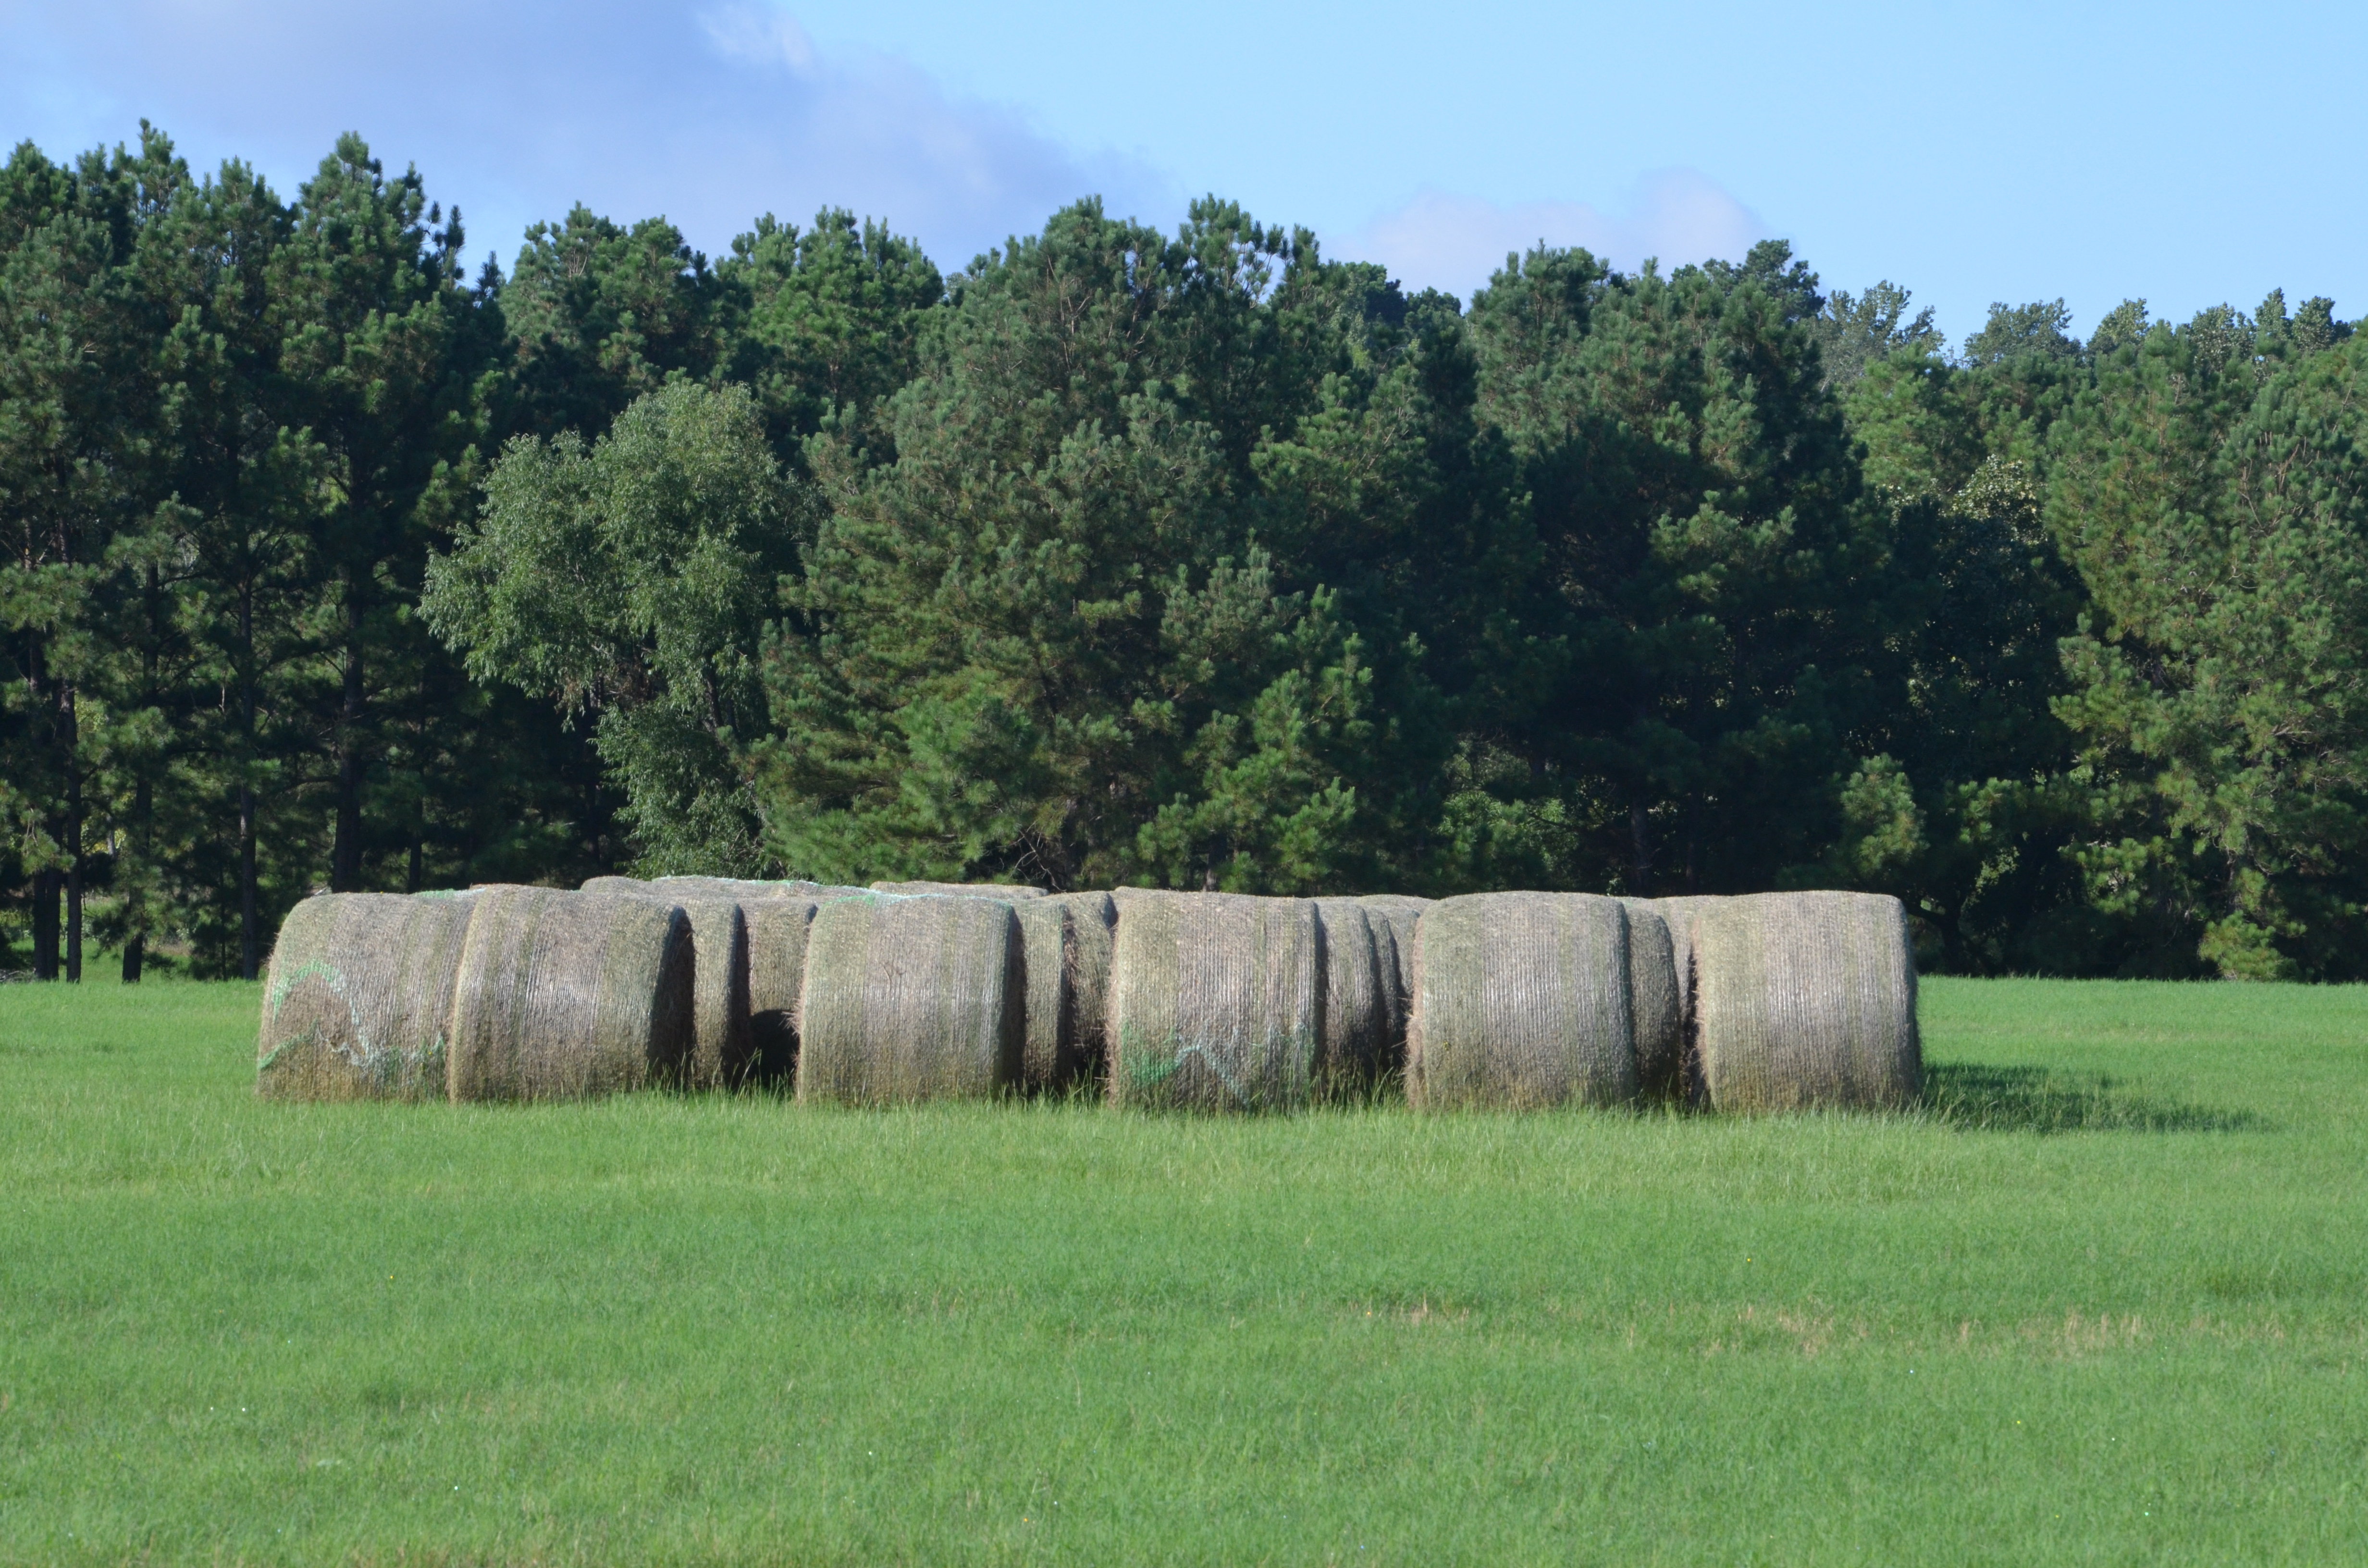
[
  {"x": 1359, "y": 1013},
  {"x": 358, "y": 999},
  {"x": 566, "y": 995},
  {"x": 1093, "y": 938},
  {"x": 1521, "y": 1001},
  {"x": 777, "y": 932},
  {"x": 1806, "y": 1000},
  {"x": 1655, "y": 1001},
  {"x": 911, "y": 999},
  {"x": 1214, "y": 1001},
  {"x": 1008, "y": 892}
]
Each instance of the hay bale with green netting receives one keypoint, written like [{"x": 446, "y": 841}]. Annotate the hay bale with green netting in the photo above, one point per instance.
[
  {"x": 1047, "y": 940},
  {"x": 1359, "y": 1007},
  {"x": 1521, "y": 1001},
  {"x": 1008, "y": 891},
  {"x": 358, "y": 999},
  {"x": 1806, "y": 1000},
  {"x": 911, "y": 999},
  {"x": 566, "y": 995},
  {"x": 777, "y": 932},
  {"x": 1093, "y": 936},
  {"x": 1214, "y": 1001},
  {"x": 1655, "y": 1001}
]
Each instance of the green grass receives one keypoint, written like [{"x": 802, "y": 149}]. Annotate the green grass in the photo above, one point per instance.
[{"x": 2106, "y": 1302}]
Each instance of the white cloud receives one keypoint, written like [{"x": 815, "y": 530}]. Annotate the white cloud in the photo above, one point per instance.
[
  {"x": 1443, "y": 241},
  {"x": 707, "y": 111}
]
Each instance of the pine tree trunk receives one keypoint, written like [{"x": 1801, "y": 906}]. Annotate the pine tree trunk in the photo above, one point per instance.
[
  {"x": 74, "y": 840},
  {"x": 246, "y": 932},
  {"x": 346, "y": 855},
  {"x": 135, "y": 950},
  {"x": 45, "y": 924}
]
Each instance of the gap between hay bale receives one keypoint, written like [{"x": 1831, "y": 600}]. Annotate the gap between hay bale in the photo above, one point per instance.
[
  {"x": 1360, "y": 1007},
  {"x": 1047, "y": 939},
  {"x": 1521, "y": 1001},
  {"x": 566, "y": 995},
  {"x": 777, "y": 932},
  {"x": 1806, "y": 1000},
  {"x": 358, "y": 998},
  {"x": 911, "y": 999},
  {"x": 1215, "y": 1001},
  {"x": 1655, "y": 1001},
  {"x": 1093, "y": 937}
]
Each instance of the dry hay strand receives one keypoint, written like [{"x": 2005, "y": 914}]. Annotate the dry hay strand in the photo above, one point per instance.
[
  {"x": 1008, "y": 892},
  {"x": 1655, "y": 1001},
  {"x": 357, "y": 1000},
  {"x": 911, "y": 999},
  {"x": 567, "y": 996},
  {"x": 777, "y": 932},
  {"x": 1360, "y": 994},
  {"x": 1214, "y": 1001},
  {"x": 1093, "y": 936},
  {"x": 1520, "y": 1000},
  {"x": 1806, "y": 1000}
]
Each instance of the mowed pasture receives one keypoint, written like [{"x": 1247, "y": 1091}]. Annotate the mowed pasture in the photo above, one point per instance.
[{"x": 2103, "y": 1299}]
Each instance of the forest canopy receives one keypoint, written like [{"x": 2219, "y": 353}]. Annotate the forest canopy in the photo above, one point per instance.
[{"x": 1181, "y": 557}]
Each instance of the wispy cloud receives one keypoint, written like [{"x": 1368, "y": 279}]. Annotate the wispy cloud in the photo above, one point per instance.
[
  {"x": 708, "y": 112},
  {"x": 1443, "y": 241}
]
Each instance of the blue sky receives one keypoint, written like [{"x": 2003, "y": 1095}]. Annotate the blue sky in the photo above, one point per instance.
[{"x": 2187, "y": 155}]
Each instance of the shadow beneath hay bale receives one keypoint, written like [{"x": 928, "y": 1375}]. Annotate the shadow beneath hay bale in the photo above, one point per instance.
[{"x": 2037, "y": 1099}]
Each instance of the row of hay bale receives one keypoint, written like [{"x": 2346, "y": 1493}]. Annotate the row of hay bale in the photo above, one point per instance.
[{"x": 905, "y": 992}]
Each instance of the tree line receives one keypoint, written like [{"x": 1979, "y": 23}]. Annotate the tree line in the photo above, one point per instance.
[{"x": 1189, "y": 558}]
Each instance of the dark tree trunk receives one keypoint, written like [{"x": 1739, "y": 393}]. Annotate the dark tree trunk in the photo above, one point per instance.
[
  {"x": 45, "y": 924},
  {"x": 135, "y": 951},
  {"x": 346, "y": 855},
  {"x": 74, "y": 841},
  {"x": 246, "y": 932},
  {"x": 1640, "y": 838}
]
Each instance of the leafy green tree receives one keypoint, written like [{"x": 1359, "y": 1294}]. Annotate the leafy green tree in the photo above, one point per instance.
[{"x": 628, "y": 579}]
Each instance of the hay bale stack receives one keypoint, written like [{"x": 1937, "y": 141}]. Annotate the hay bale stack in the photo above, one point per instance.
[
  {"x": 740, "y": 888},
  {"x": 1521, "y": 1001},
  {"x": 723, "y": 1047},
  {"x": 1047, "y": 940},
  {"x": 1655, "y": 1001},
  {"x": 1008, "y": 892},
  {"x": 911, "y": 999},
  {"x": 565, "y": 996},
  {"x": 1806, "y": 1000},
  {"x": 1214, "y": 1001},
  {"x": 1360, "y": 992},
  {"x": 357, "y": 1000},
  {"x": 1093, "y": 935},
  {"x": 778, "y": 929}
]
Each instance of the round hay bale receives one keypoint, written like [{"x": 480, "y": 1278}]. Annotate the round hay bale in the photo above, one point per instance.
[
  {"x": 1655, "y": 1003},
  {"x": 1008, "y": 892},
  {"x": 1360, "y": 1007},
  {"x": 1093, "y": 935},
  {"x": 1047, "y": 943},
  {"x": 565, "y": 996},
  {"x": 1682, "y": 915},
  {"x": 911, "y": 999},
  {"x": 1806, "y": 1000},
  {"x": 357, "y": 1000},
  {"x": 1521, "y": 1001},
  {"x": 1214, "y": 1001},
  {"x": 721, "y": 1047},
  {"x": 777, "y": 932}
]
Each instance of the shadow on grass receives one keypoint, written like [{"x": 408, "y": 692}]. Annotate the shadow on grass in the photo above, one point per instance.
[{"x": 2034, "y": 1099}]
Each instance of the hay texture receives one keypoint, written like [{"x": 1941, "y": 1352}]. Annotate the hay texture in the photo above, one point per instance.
[
  {"x": 1093, "y": 938},
  {"x": 1214, "y": 1001},
  {"x": 567, "y": 996},
  {"x": 911, "y": 999},
  {"x": 1361, "y": 1010},
  {"x": 1047, "y": 937},
  {"x": 1655, "y": 1001},
  {"x": 778, "y": 933},
  {"x": 1008, "y": 892},
  {"x": 739, "y": 888},
  {"x": 1806, "y": 1000},
  {"x": 1681, "y": 915},
  {"x": 357, "y": 1001},
  {"x": 1521, "y": 1001}
]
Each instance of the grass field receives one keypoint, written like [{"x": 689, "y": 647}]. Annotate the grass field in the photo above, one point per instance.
[{"x": 2106, "y": 1302}]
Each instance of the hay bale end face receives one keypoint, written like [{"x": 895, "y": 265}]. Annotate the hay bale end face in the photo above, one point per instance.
[
  {"x": 358, "y": 999},
  {"x": 567, "y": 996},
  {"x": 777, "y": 932},
  {"x": 1521, "y": 1001},
  {"x": 911, "y": 999},
  {"x": 1214, "y": 1001},
  {"x": 1008, "y": 892},
  {"x": 1655, "y": 1001},
  {"x": 1359, "y": 1007},
  {"x": 1807, "y": 1001},
  {"x": 1093, "y": 937}
]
